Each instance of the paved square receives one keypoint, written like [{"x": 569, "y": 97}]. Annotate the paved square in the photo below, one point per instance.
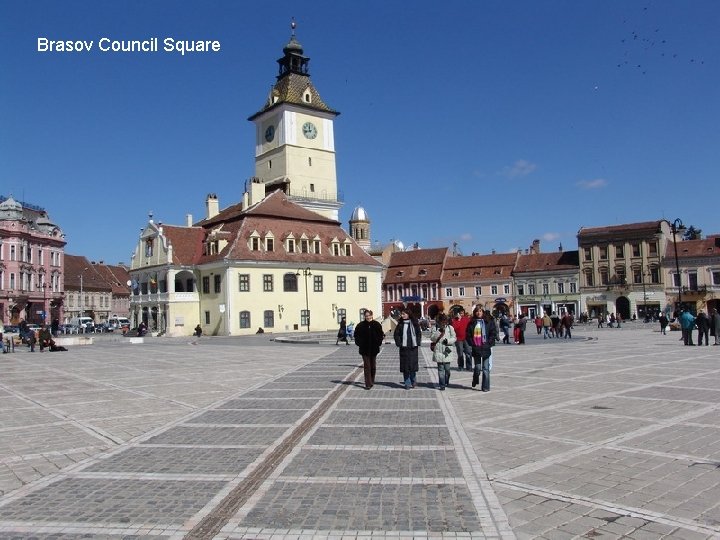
[{"x": 613, "y": 434}]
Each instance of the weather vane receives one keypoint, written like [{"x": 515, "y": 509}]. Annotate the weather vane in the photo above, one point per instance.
[{"x": 293, "y": 25}]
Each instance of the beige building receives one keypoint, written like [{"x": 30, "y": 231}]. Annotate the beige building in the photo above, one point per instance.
[
  {"x": 547, "y": 282},
  {"x": 698, "y": 284},
  {"x": 486, "y": 280},
  {"x": 275, "y": 266},
  {"x": 620, "y": 268},
  {"x": 278, "y": 260}
]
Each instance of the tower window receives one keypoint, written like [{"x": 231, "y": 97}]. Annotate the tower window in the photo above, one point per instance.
[
  {"x": 310, "y": 162},
  {"x": 269, "y": 163},
  {"x": 307, "y": 97}
]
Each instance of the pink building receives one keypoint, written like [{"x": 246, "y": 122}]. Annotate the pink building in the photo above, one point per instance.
[{"x": 31, "y": 264}]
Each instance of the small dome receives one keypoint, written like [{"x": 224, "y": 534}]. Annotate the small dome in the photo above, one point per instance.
[
  {"x": 359, "y": 214},
  {"x": 11, "y": 209},
  {"x": 10, "y": 204},
  {"x": 293, "y": 46}
]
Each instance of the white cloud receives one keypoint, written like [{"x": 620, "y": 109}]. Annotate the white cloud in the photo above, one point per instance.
[
  {"x": 465, "y": 237},
  {"x": 550, "y": 236},
  {"x": 521, "y": 167},
  {"x": 597, "y": 183}
]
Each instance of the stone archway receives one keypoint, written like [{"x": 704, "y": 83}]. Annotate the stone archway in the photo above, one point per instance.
[{"x": 622, "y": 307}]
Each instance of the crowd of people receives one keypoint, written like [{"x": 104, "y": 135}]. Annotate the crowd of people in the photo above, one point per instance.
[{"x": 467, "y": 342}]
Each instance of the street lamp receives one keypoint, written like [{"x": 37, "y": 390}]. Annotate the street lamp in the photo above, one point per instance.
[
  {"x": 82, "y": 306},
  {"x": 45, "y": 304},
  {"x": 306, "y": 272},
  {"x": 676, "y": 226}
]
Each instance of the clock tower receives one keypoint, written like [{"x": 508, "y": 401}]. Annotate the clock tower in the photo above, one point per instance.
[{"x": 294, "y": 139}]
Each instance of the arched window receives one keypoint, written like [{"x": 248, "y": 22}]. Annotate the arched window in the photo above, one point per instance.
[{"x": 290, "y": 283}]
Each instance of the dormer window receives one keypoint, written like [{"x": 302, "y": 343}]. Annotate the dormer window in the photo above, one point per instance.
[
  {"x": 399, "y": 273},
  {"x": 423, "y": 272},
  {"x": 316, "y": 246},
  {"x": 348, "y": 250},
  {"x": 304, "y": 246},
  {"x": 291, "y": 245},
  {"x": 269, "y": 244},
  {"x": 336, "y": 249},
  {"x": 456, "y": 274},
  {"x": 255, "y": 244},
  {"x": 307, "y": 97}
]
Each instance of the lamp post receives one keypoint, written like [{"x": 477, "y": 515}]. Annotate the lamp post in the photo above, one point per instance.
[
  {"x": 82, "y": 306},
  {"x": 676, "y": 226},
  {"x": 45, "y": 304},
  {"x": 306, "y": 272}
]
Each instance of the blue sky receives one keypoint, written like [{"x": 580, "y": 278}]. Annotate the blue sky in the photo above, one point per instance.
[{"x": 486, "y": 123}]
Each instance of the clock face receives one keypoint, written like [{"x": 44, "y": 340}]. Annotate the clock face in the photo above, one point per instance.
[
  {"x": 270, "y": 133},
  {"x": 309, "y": 130}
]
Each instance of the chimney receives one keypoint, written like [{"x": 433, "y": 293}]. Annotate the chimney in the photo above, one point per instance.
[
  {"x": 535, "y": 248},
  {"x": 213, "y": 205},
  {"x": 188, "y": 220},
  {"x": 493, "y": 252}
]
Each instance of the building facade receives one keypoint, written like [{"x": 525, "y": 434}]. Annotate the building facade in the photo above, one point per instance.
[
  {"x": 697, "y": 285},
  {"x": 621, "y": 268},
  {"x": 547, "y": 283},
  {"x": 31, "y": 264},
  {"x": 413, "y": 279},
  {"x": 485, "y": 280}
]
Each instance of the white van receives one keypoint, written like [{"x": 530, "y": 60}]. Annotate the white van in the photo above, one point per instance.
[
  {"x": 119, "y": 323},
  {"x": 83, "y": 323}
]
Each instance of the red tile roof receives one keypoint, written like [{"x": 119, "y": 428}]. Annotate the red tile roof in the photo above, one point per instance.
[
  {"x": 418, "y": 265},
  {"x": 275, "y": 214},
  {"x": 709, "y": 247},
  {"x": 645, "y": 226},
  {"x": 469, "y": 268},
  {"x": 92, "y": 279},
  {"x": 538, "y": 262}
]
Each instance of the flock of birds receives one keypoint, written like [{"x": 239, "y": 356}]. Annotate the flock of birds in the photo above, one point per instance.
[{"x": 649, "y": 43}]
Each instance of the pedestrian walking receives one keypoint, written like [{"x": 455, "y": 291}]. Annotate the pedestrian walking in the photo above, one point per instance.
[
  {"x": 505, "y": 328},
  {"x": 538, "y": 324},
  {"x": 342, "y": 332},
  {"x": 369, "y": 337},
  {"x": 442, "y": 344},
  {"x": 567, "y": 323},
  {"x": 408, "y": 337},
  {"x": 663, "y": 323},
  {"x": 481, "y": 335},
  {"x": 618, "y": 319},
  {"x": 715, "y": 326},
  {"x": 687, "y": 324},
  {"x": 464, "y": 353},
  {"x": 703, "y": 326},
  {"x": 601, "y": 320},
  {"x": 547, "y": 325},
  {"x": 520, "y": 326}
]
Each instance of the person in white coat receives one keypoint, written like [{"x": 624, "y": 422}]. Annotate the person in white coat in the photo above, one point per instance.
[{"x": 442, "y": 344}]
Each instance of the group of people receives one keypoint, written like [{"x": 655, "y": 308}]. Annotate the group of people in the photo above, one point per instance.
[
  {"x": 551, "y": 325},
  {"x": 472, "y": 344},
  {"x": 705, "y": 326},
  {"x": 610, "y": 319}
]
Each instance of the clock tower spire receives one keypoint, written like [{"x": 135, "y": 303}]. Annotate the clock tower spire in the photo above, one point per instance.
[{"x": 295, "y": 141}]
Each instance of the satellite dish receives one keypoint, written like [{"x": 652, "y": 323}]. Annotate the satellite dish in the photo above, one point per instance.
[{"x": 129, "y": 283}]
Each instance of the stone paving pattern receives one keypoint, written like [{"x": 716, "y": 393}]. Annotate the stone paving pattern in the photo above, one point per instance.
[{"x": 613, "y": 434}]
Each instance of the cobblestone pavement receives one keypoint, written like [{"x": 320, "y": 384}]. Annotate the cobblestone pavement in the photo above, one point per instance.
[{"x": 613, "y": 434}]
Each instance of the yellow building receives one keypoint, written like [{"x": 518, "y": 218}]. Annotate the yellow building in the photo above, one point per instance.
[{"x": 277, "y": 260}]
